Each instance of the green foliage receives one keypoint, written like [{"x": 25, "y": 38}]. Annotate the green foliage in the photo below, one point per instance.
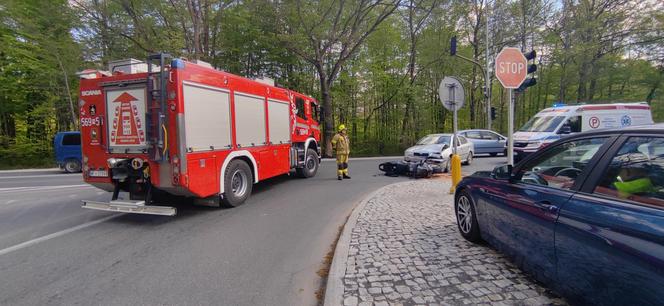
[
  {"x": 38, "y": 61},
  {"x": 27, "y": 155},
  {"x": 377, "y": 64}
]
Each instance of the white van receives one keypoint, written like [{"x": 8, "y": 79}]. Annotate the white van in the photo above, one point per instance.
[{"x": 552, "y": 123}]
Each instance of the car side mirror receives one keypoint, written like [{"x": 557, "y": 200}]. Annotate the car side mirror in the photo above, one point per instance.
[
  {"x": 565, "y": 129},
  {"x": 503, "y": 172}
]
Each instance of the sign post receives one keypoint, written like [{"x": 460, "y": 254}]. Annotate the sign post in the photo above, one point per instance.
[
  {"x": 451, "y": 94},
  {"x": 511, "y": 70}
]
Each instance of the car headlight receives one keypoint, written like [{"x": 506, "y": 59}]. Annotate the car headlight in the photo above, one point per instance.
[
  {"x": 113, "y": 162},
  {"x": 435, "y": 155},
  {"x": 534, "y": 145}
]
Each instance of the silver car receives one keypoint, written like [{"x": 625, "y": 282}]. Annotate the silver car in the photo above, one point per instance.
[
  {"x": 437, "y": 148},
  {"x": 486, "y": 141}
]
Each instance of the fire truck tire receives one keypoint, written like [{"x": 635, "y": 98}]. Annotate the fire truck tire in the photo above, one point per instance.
[
  {"x": 72, "y": 166},
  {"x": 310, "y": 164},
  {"x": 237, "y": 183}
]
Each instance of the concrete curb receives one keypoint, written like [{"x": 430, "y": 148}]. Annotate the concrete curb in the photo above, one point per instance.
[{"x": 334, "y": 291}]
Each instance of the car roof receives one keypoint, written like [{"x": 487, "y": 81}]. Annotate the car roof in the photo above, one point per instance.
[
  {"x": 657, "y": 128},
  {"x": 478, "y": 130},
  {"x": 581, "y": 106},
  {"x": 439, "y": 134}
]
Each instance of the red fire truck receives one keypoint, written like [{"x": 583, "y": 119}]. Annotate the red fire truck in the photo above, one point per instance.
[{"x": 170, "y": 126}]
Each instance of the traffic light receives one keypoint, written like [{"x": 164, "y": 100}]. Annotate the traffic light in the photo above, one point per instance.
[
  {"x": 493, "y": 113},
  {"x": 453, "y": 43},
  {"x": 531, "y": 80}
]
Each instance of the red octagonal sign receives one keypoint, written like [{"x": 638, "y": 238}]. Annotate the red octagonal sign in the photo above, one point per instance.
[{"x": 511, "y": 67}]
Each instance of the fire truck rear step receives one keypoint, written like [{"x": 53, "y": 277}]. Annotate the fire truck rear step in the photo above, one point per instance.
[{"x": 130, "y": 206}]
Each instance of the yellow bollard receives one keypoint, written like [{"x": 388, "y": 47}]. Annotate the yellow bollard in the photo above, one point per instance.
[{"x": 455, "y": 165}]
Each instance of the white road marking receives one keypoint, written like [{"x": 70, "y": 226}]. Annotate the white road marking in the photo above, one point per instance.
[
  {"x": 30, "y": 170},
  {"x": 10, "y": 201},
  {"x": 55, "y": 235},
  {"x": 38, "y": 176},
  {"x": 42, "y": 188}
]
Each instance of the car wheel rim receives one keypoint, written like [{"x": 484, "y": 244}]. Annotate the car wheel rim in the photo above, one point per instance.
[
  {"x": 70, "y": 166},
  {"x": 311, "y": 163},
  {"x": 464, "y": 214},
  {"x": 239, "y": 183}
]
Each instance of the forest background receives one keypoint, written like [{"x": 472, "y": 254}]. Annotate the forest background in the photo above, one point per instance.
[{"x": 375, "y": 65}]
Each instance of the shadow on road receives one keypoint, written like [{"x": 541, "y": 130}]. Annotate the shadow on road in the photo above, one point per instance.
[{"x": 187, "y": 209}]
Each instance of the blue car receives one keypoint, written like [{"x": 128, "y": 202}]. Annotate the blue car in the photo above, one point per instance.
[
  {"x": 584, "y": 215},
  {"x": 486, "y": 141},
  {"x": 67, "y": 146}
]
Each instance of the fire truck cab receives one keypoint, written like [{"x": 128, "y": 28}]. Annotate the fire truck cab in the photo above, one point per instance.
[{"x": 172, "y": 126}]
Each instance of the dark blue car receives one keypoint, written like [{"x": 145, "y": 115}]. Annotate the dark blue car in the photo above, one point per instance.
[
  {"x": 585, "y": 215},
  {"x": 67, "y": 146}
]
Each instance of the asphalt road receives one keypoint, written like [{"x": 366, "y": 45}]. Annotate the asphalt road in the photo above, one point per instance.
[{"x": 266, "y": 252}]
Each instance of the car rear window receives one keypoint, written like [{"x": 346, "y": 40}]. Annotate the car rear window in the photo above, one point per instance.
[
  {"x": 474, "y": 135},
  {"x": 636, "y": 172},
  {"x": 560, "y": 166},
  {"x": 489, "y": 135},
  {"x": 71, "y": 140}
]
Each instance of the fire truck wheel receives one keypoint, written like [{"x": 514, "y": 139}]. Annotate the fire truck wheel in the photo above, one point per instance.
[
  {"x": 310, "y": 164},
  {"x": 72, "y": 166},
  {"x": 237, "y": 183}
]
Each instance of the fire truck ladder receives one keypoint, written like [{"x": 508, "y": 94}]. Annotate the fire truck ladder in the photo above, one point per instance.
[{"x": 157, "y": 106}]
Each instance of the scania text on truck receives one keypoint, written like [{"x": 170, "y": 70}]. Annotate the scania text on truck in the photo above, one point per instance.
[{"x": 170, "y": 126}]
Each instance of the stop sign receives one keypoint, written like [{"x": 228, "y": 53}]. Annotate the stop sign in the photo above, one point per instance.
[{"x": 511, "y": 67}]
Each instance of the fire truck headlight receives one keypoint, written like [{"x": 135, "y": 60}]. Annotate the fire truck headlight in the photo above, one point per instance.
[{"x": 112, "y": 162}]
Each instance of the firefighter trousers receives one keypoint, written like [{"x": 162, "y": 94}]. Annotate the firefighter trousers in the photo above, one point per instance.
[{"x": 342, "y": 164}]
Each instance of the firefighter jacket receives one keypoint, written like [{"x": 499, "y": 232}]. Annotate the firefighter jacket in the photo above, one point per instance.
[{"x": 341, "y": 144}]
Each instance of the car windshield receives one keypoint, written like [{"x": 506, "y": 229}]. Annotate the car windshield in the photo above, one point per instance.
[
  {"x": 434, "y": 139},
  {"x": 542, "y": 124}
]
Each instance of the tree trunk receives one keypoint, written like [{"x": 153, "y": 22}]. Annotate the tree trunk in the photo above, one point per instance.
[
  {"x": 327, "y": 114},
  {"x": 74, "y": 119},
  {"x": 655, "y": 85},
  {"x": 593, "y": 82}
]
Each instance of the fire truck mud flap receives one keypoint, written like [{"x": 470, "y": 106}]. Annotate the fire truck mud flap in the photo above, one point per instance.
[{"x": 133, "y": 207}]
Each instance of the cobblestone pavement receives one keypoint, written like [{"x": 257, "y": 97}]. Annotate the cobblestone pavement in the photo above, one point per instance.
[{"x": 405, "y": 249}]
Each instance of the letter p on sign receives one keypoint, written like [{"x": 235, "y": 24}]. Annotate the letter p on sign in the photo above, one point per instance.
[{"x": 511, "y": 67}]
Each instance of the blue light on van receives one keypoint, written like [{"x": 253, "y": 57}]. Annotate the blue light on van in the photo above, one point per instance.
[
  {"x": 177, "y": 64},
  {"x": 560, "y": 104}
]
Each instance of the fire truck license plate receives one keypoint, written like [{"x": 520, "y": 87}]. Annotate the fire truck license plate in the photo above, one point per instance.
[{"x": 99, "y": 173}]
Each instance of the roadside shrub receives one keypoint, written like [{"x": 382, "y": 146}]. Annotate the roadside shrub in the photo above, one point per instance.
[{"x": 26, "y": 155}]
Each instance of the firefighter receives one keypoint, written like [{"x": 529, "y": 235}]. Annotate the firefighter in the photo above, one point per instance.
[{"x": 341, "y": 146}]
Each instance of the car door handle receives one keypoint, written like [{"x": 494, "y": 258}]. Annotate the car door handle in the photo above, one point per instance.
[{"x": 547, "y": 206}]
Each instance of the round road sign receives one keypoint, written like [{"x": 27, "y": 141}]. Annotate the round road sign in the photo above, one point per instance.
[
  {"x": 511, "y": 67},
  {"x": 451, "y": 93},
  {"x": 593, "y": 122}
]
